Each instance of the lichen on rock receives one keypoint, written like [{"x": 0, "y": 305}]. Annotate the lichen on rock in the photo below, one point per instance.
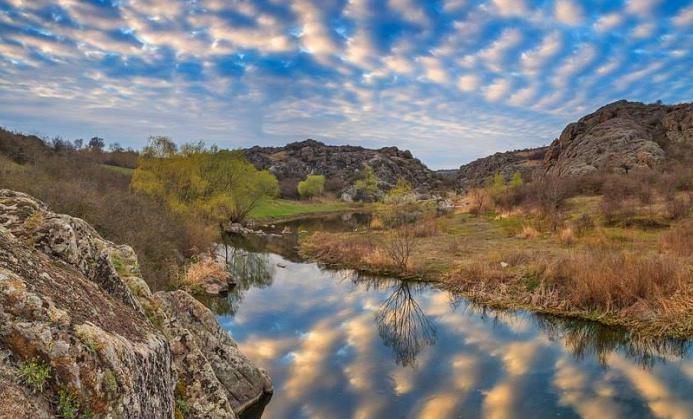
[{"x": 78, "y": 304}]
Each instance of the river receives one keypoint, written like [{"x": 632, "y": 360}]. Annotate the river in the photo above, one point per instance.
[{"x": 341, "y": 345}]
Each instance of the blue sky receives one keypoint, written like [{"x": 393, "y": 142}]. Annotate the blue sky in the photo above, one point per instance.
[{"x": 451, "y": 80}]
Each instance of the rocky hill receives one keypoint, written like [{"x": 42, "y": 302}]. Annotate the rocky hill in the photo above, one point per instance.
[
  {"x": 81, "y": 333},
  {"x": 480, "y": 171},
  {"x": 341, "y": 165},
  {"x": 620, "y": 137}
]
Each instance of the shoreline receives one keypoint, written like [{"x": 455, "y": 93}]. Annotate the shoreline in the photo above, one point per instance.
[{"x": 657, "y": 328}]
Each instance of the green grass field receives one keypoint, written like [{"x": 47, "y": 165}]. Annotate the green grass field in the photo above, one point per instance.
[
  {"x": 282, "y": 208},
  {"x": 122, "y": 170}
]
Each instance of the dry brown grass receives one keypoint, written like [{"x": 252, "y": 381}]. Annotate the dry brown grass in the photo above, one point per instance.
[
  {"x": 199, "y": 272},
  {"x": 679, "y": 240},
  {"x": 528, "y": 233},
  {"x": 612, "y": 281},
  {"x": 567, "y": 236}
]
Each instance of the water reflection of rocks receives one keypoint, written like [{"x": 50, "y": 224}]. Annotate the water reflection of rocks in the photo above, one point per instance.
[{"x": 249, "y": 269}]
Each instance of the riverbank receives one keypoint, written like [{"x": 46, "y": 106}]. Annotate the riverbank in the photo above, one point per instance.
[
  {"x": 280, "y": 210},
  {"x": 638, "y": 278}
]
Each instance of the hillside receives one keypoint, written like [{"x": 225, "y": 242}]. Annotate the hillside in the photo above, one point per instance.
[
  {"x": 478, "y": 172},
  {"x": 341, "y": 165}
]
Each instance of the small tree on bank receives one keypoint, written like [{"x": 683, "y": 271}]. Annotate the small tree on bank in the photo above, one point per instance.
[{"x": 311, "y": 186}]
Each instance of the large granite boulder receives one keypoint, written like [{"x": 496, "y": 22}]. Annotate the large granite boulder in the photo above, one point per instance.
[
  {"x": 620, "y": 137},
  {"x": 342, "y": 165},
  {"x": 76, "y": 305}
]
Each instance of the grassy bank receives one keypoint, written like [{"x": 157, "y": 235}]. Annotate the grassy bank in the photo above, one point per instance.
[
  {"x": 634, "y": 276},
  {"x": 279, "y": 209}
]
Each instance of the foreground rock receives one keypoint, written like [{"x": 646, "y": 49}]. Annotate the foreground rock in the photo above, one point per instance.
[
  {"x": 341, "y": 165},
  {"x": 76, "y": 305},
  {"x": 620, "y": 137}
]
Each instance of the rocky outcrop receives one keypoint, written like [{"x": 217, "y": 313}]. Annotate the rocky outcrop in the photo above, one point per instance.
[
  {"x": 76, "y": 305},
  {"x": 480, "y": 171},
  {"x": 620, "y": 137},
  {"x": 341, "y": 165}
]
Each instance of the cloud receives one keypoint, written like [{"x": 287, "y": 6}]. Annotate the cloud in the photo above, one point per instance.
[
  {"x": 315, "y": 34},
  {"x": 434, "y": 69},
  {"x": 510, "y": 7},
  {"x": 495, "y": 54},
  {"x": 583, "y": 56},
  {"x": 641, "y": 7},
  {"x": 497, "y": 89},
  {"x": 533, "y": 60},
  {"x": 643, "y": 30},
  {"x": 684, "y": 18},
  {"x": 468, "y": 83},
  {"x": 568, "y": 12},
  {"x": 608, "y": 22}
]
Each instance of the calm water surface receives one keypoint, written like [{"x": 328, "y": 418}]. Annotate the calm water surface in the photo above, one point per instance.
[{"x": 339, "y": 345}]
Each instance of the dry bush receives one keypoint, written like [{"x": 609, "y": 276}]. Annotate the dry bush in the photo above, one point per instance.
[
  {"x": 528, "y": 233},
  {"x": 398, "y": 245},
  {"x": 583, "y": 224},
  {"x": 566, "y": 236},
  {"x": 376, "y": 223},
  {"x": 480, "y": 201},
  {"x": 426, "y": 228},
  {"x": 613, "y": 280},
  {"x": 679, "y": 240},
  {"x": 199, "y": 272},
  {"x": 678, "y": 207}
]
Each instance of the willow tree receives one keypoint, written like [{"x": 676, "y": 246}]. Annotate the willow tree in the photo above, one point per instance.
[{"x": 220, "y": 185}]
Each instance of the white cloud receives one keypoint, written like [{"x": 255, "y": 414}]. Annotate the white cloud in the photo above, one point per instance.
[
  {"x": 409, "y": 10},
  {"x": 454, "y": 5},
  {"x": 523, "y": 96},
  {"x": 607, "y": 22},
  {"x": 636, "y": 75},
  {"x": 568, "y": 12},
  {"x": 315, "y": 34},
  {"x": 495, "y": 54},
  {"x": 434, "y": 69},
  {"x": 468, "y": 82},
  {"x": 684, "y": 18},
  {"x": 580, "y": 59},
  {"x": 533, "y": 60},
  {"x": 641, "y": 7},
  {"x": 644, "y": 30},
  {"x": 510, "y": 7},
  {"x": 497, "y": 89}
]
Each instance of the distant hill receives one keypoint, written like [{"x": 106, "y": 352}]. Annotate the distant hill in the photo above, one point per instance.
[
  {"x": 478, "y": 172},
  {"x": 341, "y": 165}
]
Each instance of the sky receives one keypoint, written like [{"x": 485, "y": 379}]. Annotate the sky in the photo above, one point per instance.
[{"x": 450, "y": 80}]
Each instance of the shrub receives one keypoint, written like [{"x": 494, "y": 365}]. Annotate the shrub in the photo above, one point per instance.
[
  {"x": 479, "y": 201},
  {"x": 528, "y": 233},
  {"x": 566, "y": 236},
  {"x": 677, "y": 207},
  {"x": 311, "y": 186},
  {"x": 68, "y": 406},
  {"x": 35, "y": 374},
  {"x": 288, "y": 188}
]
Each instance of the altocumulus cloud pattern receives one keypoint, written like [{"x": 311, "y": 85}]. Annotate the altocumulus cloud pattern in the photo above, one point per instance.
[{"x": 451, "y": 80}]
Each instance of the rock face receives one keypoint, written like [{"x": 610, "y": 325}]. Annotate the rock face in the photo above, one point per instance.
[
  {"x": 76, "y": 304},
  {"x": 480, "y": 171},
  {"x": 341, "y": 164},
  {"x": 620, "y": 137}
]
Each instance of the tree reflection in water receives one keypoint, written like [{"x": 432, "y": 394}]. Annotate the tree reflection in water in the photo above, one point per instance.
[
  {"x": 403, "y": 326},
  {"x": 249, "y": 269}
]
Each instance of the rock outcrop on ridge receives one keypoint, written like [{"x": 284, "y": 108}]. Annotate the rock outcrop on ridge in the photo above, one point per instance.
[
  {"x": 620, "y": 137},
  {"x": 341, "y": 164},
  {"x": 75, "y": 306}
]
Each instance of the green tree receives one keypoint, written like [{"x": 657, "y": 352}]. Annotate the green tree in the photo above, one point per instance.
[
  {"x": 367, "y": 185},
  {"x": 220, "y": 185},
  {"x": 498, "y": 182},
  {"x": 516, "y": 180},
  {"x": 311, "y": 186},
  {"x": 402, "y": 192}
]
